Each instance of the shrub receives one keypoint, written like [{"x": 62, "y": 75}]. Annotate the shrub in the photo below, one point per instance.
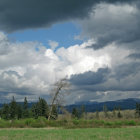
[
  {"x": 131, "y": 123},
  {"x": 37, "y": 123},
  {"x": 118, "y": 123},
  {"x": 75, "y": 122},
  {"x": 4, "y": 124},
  {"x": 18, "y": 123},
  {"x": 99, "y": 122},
  {"x": 28, "y": 121},
  {"x": 108, "y": 124}
]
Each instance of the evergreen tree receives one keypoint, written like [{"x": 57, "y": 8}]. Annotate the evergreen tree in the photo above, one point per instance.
[
  {"x": 25, "y": 108},
  {"x": 5, "y": 112},
  {"x": 35, "y": 111},
  {"x": 105, "y": 111},
  {"x": 119, "y": 114},
  {"x": 13, "y": 109},
  {"x": 19, "y": 112},
  {"x": 137, "y": 110},
  {"x": 0, "y": 112},
  {"x": 43, "y": 107},
  {"x": 75, "y": 113}
]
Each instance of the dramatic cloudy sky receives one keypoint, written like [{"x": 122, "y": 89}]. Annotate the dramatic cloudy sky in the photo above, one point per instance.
[{"x": 94, "y": 43}]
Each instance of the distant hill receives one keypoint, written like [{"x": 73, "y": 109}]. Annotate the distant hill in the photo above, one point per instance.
[{"x": 129, "y": 103}]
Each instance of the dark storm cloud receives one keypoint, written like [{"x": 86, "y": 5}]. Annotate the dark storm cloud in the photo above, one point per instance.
[
  {"x": 125, "y": 70},
  {"x": 126, "y": 77},
  {"x": 117, "y": 23},
  {"x": 118, "y": 37},
  {"x": 90, "y": 78},
  {"x": 23, "y": 14},
  {"x": 134, "y": 56}
]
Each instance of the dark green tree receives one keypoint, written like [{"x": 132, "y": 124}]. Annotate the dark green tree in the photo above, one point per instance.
[
  {"x": 75, "y": 113},
  {"x": 25, "y": 108},
  {"x": 35, "y": 111},
  {"x": 5, "y": 112},
  {"x": 0, "y": 112},
  {"x": 137, "y": 112},
  {"x": 119, "y": 114},
  {"x": 13, "y": 109},
  {"x": 19, "y": 112},
  {"x": 105, "y": 110},
  {"x": 43, "y": 107},
  {"x": 40, "y": 108}
]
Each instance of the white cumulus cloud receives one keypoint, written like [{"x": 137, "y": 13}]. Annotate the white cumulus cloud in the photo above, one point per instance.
[{"x": 29, "y": 68}]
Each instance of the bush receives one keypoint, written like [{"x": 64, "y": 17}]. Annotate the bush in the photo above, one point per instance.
[
  {"x": 118, "y": 123},
  {"x": 75, "y": 122},
  {"x": 18, "y": 124},
  {"x": 28, "y": 121},
  {"x": 37, "y": 125},
  {"x": 131, "y": 123},
  {"x": 109, "y": 124},
  {"x": 5, "y": 124},
  {"x": 99, "y": 122}
]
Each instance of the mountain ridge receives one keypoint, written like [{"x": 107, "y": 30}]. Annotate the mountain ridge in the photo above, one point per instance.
[{"x": 123, "y": 104}]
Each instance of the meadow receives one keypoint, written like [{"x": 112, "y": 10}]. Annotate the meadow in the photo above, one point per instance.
[
  {"x": 68, "y": 124},
  {"x": 32, "y": 123},
  {"x": 130, "y": 133}
]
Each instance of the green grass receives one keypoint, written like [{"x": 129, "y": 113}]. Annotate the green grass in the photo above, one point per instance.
[
  {"x": 131, "y": 133},
  {"x": 43, "y": 122}
]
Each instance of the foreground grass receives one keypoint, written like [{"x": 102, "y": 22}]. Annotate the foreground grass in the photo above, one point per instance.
[
  {"x": 131, "y": 133},
  {"x": 43, "y": 123}
]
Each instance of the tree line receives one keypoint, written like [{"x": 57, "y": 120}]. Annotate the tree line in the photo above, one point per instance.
[
  {"x": 116, "y": 112},
  {"x": 14, "y": 110}
]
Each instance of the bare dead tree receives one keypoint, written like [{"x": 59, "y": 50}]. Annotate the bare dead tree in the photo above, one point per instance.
[{"x": 58, "y": 95}]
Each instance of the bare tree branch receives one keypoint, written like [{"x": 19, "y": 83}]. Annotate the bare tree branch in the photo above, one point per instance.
[{"x": 58, "y": 94}]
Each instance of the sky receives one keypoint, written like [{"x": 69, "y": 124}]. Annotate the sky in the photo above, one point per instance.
[{"x": 93, "y": 43}]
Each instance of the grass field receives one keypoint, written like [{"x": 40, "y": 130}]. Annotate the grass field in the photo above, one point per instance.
[{"x": 131, "y": 133}]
